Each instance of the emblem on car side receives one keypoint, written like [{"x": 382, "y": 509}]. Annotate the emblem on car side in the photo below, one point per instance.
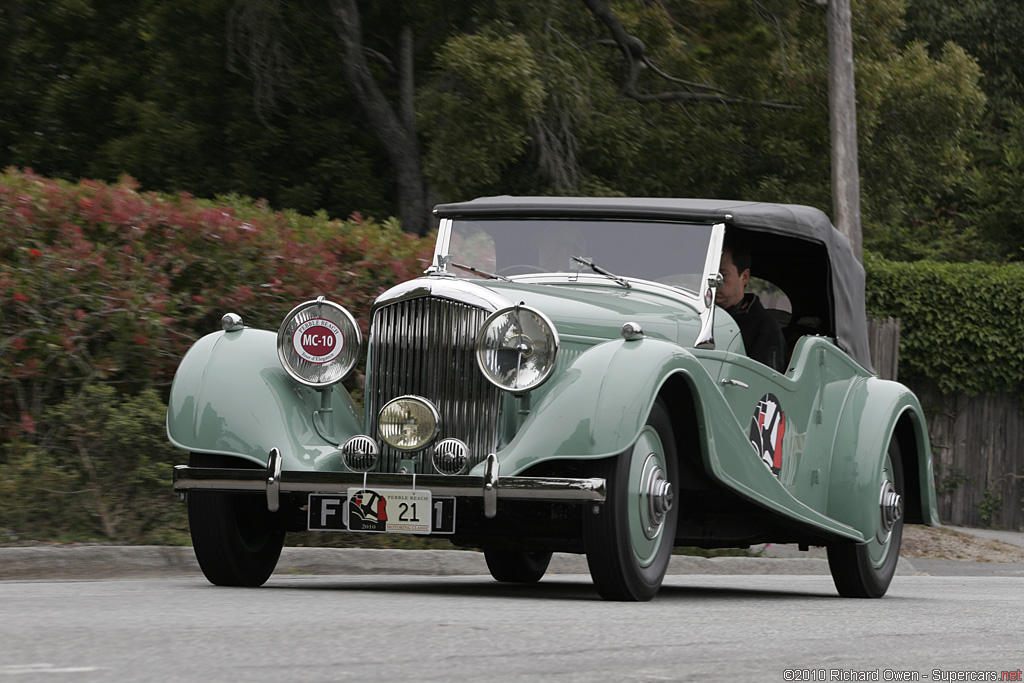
[{"x": 767, "y": 427}]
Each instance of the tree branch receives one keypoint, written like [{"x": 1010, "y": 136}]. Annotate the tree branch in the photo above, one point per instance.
[{"x": 634, "y": 54}]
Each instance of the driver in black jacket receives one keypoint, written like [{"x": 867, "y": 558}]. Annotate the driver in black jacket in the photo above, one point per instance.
[{"x": 761, "y": 334}]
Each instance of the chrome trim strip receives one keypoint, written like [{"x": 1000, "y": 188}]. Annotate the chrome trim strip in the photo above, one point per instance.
[
  {"x": 547, "y": 489},
  {"x": 441, "y": 247},
  {"x": 460, "y": 291},
  {"x": 712, "y": 265}
]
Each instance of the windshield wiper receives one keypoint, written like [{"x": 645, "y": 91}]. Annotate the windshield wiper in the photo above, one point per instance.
[
  {"x": 481, "y": 273},
  {"x": 601, "y": 271}
]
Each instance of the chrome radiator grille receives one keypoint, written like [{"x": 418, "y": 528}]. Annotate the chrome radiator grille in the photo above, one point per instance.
[{"x": 426, "y": 346}]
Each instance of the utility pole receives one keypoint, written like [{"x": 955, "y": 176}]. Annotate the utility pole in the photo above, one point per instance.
[{"x": 842, "y": 105}]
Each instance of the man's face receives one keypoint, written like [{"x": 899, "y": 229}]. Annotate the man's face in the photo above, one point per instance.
[{"x": 733, "y": 283}]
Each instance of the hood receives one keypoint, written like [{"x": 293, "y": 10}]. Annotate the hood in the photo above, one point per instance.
[{"x": 593, "y": 308}]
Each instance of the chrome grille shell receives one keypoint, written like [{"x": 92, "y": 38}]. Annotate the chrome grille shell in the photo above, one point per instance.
[{"x": 422, "y": 342}]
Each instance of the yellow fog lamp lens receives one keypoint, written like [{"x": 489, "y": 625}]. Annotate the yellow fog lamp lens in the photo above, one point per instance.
[
  {"x": 408, "y": 423},
  {"x": 516, "y": 348}
]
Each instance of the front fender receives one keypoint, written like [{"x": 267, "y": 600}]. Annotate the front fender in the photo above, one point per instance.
[
  {"x": 597, "y": 406},
  {"x": 876, "y": 412},
  {"x": 231, "y": 396}
]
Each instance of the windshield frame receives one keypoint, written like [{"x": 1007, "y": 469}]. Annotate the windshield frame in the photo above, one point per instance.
[
  {"x": 673, "y": 264},
  {"x": 702, "y": 295}
]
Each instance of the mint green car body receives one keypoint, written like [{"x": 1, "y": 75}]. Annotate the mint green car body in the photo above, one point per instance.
[{"x": 231, "y": 397}]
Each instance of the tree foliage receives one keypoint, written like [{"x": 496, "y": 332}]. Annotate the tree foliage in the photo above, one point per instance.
[{"x": 719, "y": 98}]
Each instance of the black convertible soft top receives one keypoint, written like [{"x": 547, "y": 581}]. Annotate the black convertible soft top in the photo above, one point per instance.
[{"x": 796, "y": 247}]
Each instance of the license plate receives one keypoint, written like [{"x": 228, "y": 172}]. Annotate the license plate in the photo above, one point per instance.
[{"x": 397, "y": 511}]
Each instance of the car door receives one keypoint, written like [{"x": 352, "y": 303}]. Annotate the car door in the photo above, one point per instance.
[{"x": 782, "y": 417}]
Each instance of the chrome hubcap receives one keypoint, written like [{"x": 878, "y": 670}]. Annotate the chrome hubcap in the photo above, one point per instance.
[
  {"x": 891, "y": 507},
  {"x": 658, "y": 492}
]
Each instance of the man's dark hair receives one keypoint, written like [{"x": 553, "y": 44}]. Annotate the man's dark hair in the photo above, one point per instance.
[{"x": 740, "y": 253}]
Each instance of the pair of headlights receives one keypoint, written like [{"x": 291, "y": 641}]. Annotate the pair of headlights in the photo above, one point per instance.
[{"x": 319, "y": 342}]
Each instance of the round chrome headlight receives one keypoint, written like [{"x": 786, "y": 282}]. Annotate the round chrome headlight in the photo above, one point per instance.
[
  {"x": 516, "y": 348},
  {"x": 318, "y": 343},
  {"x": 408, "y": 423}
]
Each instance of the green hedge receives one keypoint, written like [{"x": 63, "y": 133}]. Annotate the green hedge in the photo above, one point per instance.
[{"x": 962, "y": 323}]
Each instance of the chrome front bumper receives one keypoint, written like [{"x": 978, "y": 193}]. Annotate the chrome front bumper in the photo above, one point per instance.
[{"x": 490, "y": 487}]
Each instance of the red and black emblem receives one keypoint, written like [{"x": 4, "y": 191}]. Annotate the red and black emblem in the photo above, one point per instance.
[
  {"x": 367, "y": 511},
  {"x": 767, "y": 428}
]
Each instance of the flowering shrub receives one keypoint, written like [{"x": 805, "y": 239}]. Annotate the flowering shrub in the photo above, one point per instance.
[{"x": 103, "y": 284}]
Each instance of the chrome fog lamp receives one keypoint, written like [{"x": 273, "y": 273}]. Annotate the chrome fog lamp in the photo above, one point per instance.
[
  {"x": 408, "y": 423},
  {"x": 318, "y": 343},
  {"x": 360, "y": 453},
  {"x": 516, "y": 348},
  {"x": 450, "y": 456}
]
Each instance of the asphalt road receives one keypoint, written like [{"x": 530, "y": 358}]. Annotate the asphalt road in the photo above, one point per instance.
[
  {"x": 701, "y": 627},
  {"x": 101, "y": 562}
]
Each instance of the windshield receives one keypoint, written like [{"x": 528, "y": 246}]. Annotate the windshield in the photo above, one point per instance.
[{"x": 670, "y": 253}]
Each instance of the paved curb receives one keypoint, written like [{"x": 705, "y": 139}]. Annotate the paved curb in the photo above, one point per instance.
[{"x": 104, "y": 562}]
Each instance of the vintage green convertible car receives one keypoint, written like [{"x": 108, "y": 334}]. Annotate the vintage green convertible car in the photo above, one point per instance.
[{"x": 561, "y": 379}]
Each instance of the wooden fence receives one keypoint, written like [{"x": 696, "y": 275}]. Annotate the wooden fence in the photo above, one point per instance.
[{"x": 977, "y": 444}]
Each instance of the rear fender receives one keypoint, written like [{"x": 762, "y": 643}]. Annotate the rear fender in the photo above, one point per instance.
[
  {"x": 231, "y": 396},
  {"x": 876, "y": 412}
]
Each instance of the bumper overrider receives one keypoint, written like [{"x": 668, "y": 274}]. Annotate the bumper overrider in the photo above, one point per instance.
[{"x": 490, "y": 487}]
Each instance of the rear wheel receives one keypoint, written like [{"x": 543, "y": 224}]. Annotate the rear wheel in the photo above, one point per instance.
[
  {"x": 517, "y": 566},
  {"x": 237, "y": 541},
  {"x": 629, "y": 540},
  {"x": 865, "y": 570}
]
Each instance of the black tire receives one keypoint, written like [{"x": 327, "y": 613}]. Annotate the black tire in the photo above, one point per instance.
[
  {"x": 628, "y": 548},
  {"x": 237, "y": 541},
  {"x": 517, "y": 566},
  {"x": 865, "y": 570}
]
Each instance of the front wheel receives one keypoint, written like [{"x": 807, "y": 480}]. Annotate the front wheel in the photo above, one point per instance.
[
  {"x": 865, "y": 570},
  {"x": 237, "y": 541},
  {"x": 629, "y": 539},
  {"x": 517, "y": 566}
]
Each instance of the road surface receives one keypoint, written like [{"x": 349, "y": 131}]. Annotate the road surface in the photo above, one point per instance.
[{"x": 470, "y": 628}]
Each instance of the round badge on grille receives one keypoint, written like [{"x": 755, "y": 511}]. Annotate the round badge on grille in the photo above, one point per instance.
[{"x": 318, "y": 341}]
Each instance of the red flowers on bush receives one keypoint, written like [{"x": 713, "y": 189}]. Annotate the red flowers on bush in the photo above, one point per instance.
[{"x": 133, "y": 279}]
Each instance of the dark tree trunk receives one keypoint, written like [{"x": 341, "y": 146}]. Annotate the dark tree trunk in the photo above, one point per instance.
[{"x": 393, "y": 126}]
